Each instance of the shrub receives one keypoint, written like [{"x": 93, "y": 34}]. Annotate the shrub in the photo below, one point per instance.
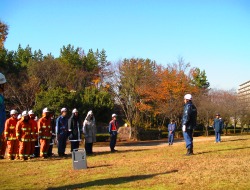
[{"x": 102, "y": 137}]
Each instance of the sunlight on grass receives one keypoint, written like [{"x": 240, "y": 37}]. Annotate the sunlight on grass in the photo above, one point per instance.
[{"x": 214, "y": 166}]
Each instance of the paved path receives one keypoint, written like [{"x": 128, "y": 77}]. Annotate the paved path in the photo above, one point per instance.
[{"x": 143, "y": 145}]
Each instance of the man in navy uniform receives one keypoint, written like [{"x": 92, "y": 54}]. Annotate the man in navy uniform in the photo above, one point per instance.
[
  {"x": 218, "y": 126},
  {"x": 3, "y": 142},
  {"x": 113, "y": 127},
  {"x": 171, "y": 131},
  {"x": 62, "y": 132},
  {"x": 189, "y": 122}
]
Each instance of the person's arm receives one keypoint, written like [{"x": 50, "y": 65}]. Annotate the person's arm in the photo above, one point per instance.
[
  {"x": 174, "y": 128},
  {"x": 18, "y": 135},
  {"x": 6, "y": 130},
  {"x": 57, "y": 128},
  {"x": 110, "y": 127}
]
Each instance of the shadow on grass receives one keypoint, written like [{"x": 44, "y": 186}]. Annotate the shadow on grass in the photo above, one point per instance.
[
  {"x": 110, "y": 181},
  {"x": 229, "y": 149},
  {"x": 118, "y": 152},
  {"x": 235, "y": 140}
]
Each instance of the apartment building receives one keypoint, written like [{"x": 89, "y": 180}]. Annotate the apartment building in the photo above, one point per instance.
[{"x": 244, "y": 94}]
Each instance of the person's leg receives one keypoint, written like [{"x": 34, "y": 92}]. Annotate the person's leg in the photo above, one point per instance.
[
  {"x": 27, "y": 150},
  {"x": 59, "y": 146},
  {"x": 172, "y": 138},
  {"x": 219, "y": 137},
  {"x": 21, "y": 150},
  {"x": 112, "y": 142},
  {"x": 188, "y": 137},
  {"x": 64, "y": 143},
  {"x": 169, "y": 138}
]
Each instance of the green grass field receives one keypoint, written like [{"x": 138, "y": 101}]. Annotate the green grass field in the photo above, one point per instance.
[{"x": 214, "y": 166}]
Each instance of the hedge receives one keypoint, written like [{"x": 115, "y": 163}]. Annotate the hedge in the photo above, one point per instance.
[{"x": 102, "y": 137}]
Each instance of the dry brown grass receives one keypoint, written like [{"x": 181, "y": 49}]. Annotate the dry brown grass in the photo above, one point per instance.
[{"x": 214, "y": 166}]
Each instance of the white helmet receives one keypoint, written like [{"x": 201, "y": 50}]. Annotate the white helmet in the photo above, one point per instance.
[
  {"x": 2, "y": 79},
  {"x": 45, "y": 110},
  {"x": 31, "y": 112},
  {"x": 12, "y": 112},
  {"x": 19, "y": 116},
  {"x": 25, "y": 113},
  {"x": 188, "y": 97},
  {"x": 63, "y": 110},
  {"x": 114, "y": 115},
  {"x": 74, "y": 110}
]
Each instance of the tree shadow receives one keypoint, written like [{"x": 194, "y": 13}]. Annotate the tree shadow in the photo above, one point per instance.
[
  {"x": 205, "y": 152},
  {"x": 235, "y": 140},
  {"x": 118, "y": 152},
  {"x": 110, "y": 181}
]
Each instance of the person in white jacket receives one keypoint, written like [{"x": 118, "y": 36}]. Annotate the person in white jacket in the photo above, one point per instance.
[{"x": 89, "y": 130}]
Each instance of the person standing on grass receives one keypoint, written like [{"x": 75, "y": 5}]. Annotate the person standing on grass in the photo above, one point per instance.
[
  {"x": 10, "y": 135},
  {"x": 62, "y": 132},
  {"x": 218, "y": 126},
  {"x": 24, "y": 135},
  {"x": 113, "y": 127},
  {"x": 171, "y": 130},
  {"x": 75, "y": 129},
  {"x": 89, "y": 130},
  {"x": 53, "y": 136},
  {"x": 3, "y": 142},
  {"x": 44, "y": 132},
  {"x": 189, "y": 122},
  {"x": 34, "y": 129}
]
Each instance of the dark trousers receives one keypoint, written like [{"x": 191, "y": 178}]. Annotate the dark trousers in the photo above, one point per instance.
[
  {"x": 74, "y": 145},
  {"x": 188, "y": 137},
  {"x": 89, "y": 148},
  {"x": 61, "y": 145},
  {"x": 113, "y": 138},
  {"x": 37, "y": 149}
]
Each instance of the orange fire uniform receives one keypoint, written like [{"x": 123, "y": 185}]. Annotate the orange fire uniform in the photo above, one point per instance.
[
  {"x": 34, "y": 133},
  {"x": 10, "y": 135},
  {"x": 23, "y": 133},
  {"x": 45, "y": 133}
]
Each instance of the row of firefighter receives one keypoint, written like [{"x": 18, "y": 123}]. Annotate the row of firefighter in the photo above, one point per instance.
[{"x": 26, "y": 137}]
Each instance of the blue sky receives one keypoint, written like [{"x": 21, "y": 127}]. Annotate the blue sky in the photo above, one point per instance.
[{"x": 213, "y": 35}]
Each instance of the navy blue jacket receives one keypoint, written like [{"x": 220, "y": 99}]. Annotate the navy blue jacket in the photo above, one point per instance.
[
  {"x": 2, "y": 114},
  {"x": 189, "y": 115},
  {"x": 218, "y": 125},
  {"x": 62, "y": 125},
  {"x": 171, "y": 127}
]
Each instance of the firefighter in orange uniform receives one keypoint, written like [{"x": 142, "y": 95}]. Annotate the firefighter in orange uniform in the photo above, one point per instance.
[
  {"x": 34, "y": 133},
  {"x": 23, "y": 133},
  {"x": 10, "y": 135},
  {"x": 44, "y": 132}
]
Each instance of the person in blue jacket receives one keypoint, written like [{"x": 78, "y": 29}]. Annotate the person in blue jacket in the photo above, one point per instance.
[
  {"x": 189, "y": 122},
  {"x": 171, "y": 130},
  {"x": 62, "y": 132},
  {"x": 2, "y": 116},
  {"x": 218, "y": 126}
]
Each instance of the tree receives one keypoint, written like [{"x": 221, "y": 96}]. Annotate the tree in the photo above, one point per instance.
[
  {"x": 23, "y": 56},
  {"x": 70, "y": 55},
  {"x": 3, "y": 33},
  {"x": 129, "y": 82},
  {"x": 199, "y": 79}
]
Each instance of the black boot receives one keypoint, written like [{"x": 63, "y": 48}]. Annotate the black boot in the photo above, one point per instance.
[
  {"x": 191, "y": 151},
  {"x": 188, "y": 152}
]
